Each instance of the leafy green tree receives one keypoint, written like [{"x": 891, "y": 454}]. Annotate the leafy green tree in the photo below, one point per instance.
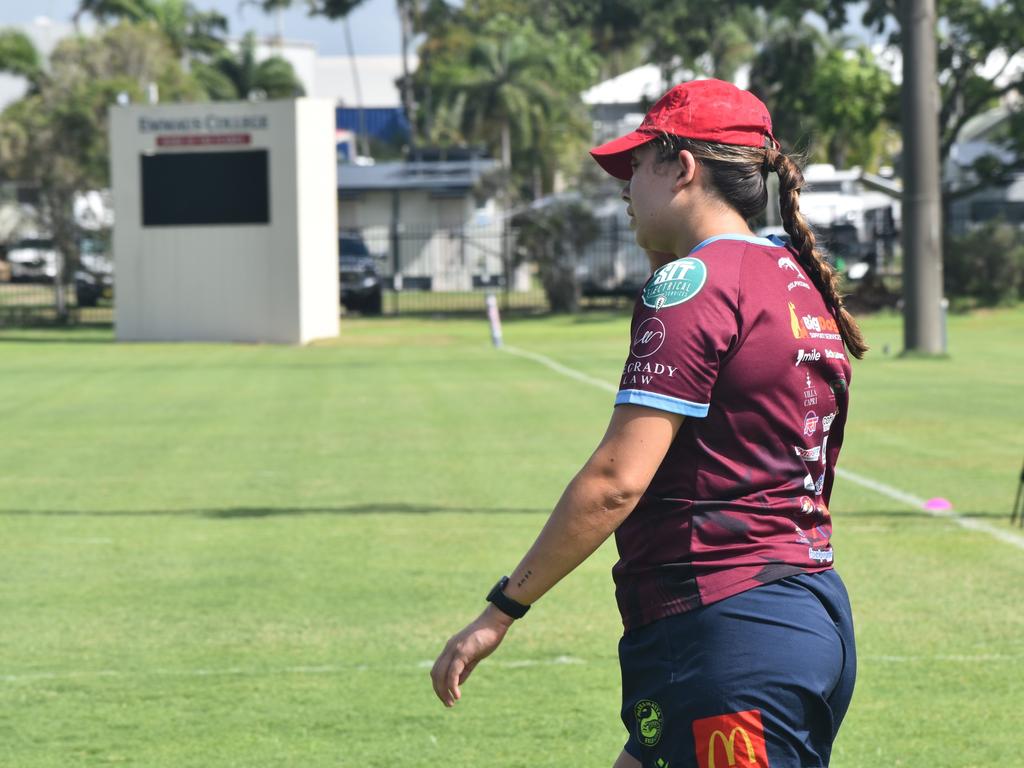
[
  {"x": 189, "y": 31},
  {"x": 851, "y": 95},
  {"x": 19, "y": 57},
  {"x": 713, "y": 39},
  {"x": 238, "y": 75},
  {"x": 971, "y": 33},
  {"x": 509, "y": 86},
  {"x": 828, "y": 99},
  {"x": 55, "y": 137},
  {"x": 780, "y": 74}
]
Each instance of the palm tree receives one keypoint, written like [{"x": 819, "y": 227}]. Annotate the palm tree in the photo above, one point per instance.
[
  {"x": 234, "y": 75},
  {"x": 189, "y": 30},
  {"x": 505, "y": 91}
]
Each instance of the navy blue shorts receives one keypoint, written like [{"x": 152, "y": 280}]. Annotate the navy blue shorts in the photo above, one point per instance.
[{"x": 762, "y": 678}]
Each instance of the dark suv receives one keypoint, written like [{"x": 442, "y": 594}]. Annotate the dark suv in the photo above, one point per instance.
[{"x": 361, "y": 288}]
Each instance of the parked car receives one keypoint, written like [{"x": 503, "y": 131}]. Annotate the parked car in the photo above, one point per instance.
[
  {"x": 32, "y": 260},
  {"x": 361, "y": 288}
]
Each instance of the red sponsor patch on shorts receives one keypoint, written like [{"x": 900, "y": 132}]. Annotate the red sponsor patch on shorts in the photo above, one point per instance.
[{"x": 735, "y": 740}]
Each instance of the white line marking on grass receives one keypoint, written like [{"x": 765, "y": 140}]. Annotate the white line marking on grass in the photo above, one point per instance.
[
  {"x": 896, "y": 494},
  {"x": 966, "y": 658},
  {"x": 980, "y": 526},
  {"x": 559, "y": 368}
]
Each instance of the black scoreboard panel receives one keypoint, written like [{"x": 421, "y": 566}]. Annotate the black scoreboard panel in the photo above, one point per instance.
[{"x": 190, "y": 188}]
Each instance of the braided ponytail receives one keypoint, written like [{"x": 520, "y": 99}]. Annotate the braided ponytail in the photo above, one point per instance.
[
  {"x": 791, "y": 181},
  {"x": 738, "y": 175}
]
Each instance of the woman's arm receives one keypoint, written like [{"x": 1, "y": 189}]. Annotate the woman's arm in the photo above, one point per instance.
[{"x": 594, "y": 504}]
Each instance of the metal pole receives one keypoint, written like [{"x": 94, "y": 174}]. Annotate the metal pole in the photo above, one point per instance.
[{"x": 922, "y": 199}]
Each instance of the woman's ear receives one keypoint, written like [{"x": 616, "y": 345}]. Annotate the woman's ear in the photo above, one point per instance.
[{"x": 686, "y": 171}]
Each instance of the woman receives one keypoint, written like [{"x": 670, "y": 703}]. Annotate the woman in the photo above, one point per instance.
[{"x": 717, "y": 466}]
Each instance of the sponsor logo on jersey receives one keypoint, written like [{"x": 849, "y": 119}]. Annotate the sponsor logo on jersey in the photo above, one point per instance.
[
  {"x": 735, "y": 740},
  {"x": 787, "y": 263},
  {"x": 809, "y": 356},
  {"x": 820, "y": 327},
  {"x": 650, "y": 335},
  {"x": 820, "y": 555},
  {"x": 676, "y": 282},
  {"x": 834, "y": 355},
  {"x": 810, "y": 423},
  {"x": 797, "y": 284},
  {"x": 808, "y": 454},
  {"x": 799, "y": 332},
  {"x": 838, "y": 386},
  {"x": 649, "y": 722},
  {"x": 826, "y": 421},
  {"x": 812, "y": 326},
  {"x": 644, "y": 373},
  {"x": 817, "y": 486},
  {"x": 810, "y": 393},
  {"x": 806, "y": 506}
]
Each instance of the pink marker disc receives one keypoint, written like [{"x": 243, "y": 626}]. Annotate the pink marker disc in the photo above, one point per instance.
[{"x": 938, "y": 504}]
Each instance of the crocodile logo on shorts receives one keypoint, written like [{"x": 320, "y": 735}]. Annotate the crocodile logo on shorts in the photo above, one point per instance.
[
  {"x": 649, "y": 723},
  {"x": 676, "y": 282}
]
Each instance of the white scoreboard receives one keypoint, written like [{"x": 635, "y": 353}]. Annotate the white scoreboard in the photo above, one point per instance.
[{"x": 225, "y": 221}]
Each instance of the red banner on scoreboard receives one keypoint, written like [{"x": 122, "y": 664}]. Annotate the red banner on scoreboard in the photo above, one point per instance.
[{"x": 205, "y": 140}]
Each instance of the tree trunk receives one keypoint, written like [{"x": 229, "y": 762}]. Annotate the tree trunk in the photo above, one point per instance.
[
  {"x": 405, "y": 19},
  {"x": 60, "y": 207},
  {"x": 506, "y": 146},
  {"x": 837, "y": 152}
]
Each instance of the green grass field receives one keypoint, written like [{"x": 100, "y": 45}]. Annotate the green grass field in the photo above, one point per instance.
[{"x": 219, "y": 555}]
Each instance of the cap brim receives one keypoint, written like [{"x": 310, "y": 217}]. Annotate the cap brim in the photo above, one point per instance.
[{"x": 614, "y": 156}]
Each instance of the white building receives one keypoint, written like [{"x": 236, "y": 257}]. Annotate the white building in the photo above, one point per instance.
[{"x": 437, "y": 224}]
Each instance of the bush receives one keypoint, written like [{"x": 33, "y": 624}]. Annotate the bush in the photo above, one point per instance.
[
  {"x": 554, "y": 237},
  {"x": 986, "y": 265}
]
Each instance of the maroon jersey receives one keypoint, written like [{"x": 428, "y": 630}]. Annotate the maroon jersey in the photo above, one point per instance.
[{"x": 735, "y": 337}]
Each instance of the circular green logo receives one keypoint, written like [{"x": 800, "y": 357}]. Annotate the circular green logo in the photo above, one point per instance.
[
  {"x": 649, "y": 723},
  {"x": 676, "y": 282}
]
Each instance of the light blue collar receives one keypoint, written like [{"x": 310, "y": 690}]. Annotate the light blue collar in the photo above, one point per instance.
[{"x": 772, "y": 241}]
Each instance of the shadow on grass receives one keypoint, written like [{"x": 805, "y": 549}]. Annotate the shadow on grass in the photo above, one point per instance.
[{"x": 231, "y": 513}]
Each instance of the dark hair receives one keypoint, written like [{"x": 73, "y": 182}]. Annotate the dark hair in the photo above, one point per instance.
[{"x": 738, "y": 175}]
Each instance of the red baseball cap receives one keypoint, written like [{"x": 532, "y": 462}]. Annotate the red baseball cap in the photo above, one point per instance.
[{"x": 706, "y": 110}]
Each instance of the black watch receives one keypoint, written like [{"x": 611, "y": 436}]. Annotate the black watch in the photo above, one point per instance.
[{"x": 504, "y": 603}]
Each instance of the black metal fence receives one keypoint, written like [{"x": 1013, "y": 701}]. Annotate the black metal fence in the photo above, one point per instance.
[
  {"x": 403, "y": 271},
  {"x": 27, "y": 303},
  {"x": 452, "y": 270}
]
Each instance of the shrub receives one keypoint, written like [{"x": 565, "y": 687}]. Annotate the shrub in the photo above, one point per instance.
[
  {"x": 986, "y": 265},
  {"x": 553, "y": 237}
]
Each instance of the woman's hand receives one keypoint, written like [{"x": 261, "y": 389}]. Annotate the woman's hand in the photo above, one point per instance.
[{"x": 465, "y": 650}]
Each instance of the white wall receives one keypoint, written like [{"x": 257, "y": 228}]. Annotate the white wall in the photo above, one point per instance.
[{"x": 274, "y": 282}]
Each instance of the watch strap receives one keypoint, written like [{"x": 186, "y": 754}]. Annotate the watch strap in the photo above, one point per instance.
[{"x": 504, "y": 603}]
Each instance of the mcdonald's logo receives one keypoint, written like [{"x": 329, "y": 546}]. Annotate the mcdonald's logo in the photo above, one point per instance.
[{"x": 735, "y": 740}]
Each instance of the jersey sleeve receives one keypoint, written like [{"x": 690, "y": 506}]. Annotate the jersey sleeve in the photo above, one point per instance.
[{"x": 684, "y": 324}]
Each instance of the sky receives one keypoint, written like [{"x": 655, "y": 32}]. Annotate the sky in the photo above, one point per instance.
[{"x": 374, "y": 24}]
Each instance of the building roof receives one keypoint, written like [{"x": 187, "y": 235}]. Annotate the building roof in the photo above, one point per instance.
[
  {"x": 647, "y": 83},
  {"x": 445, "y": 175}
]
